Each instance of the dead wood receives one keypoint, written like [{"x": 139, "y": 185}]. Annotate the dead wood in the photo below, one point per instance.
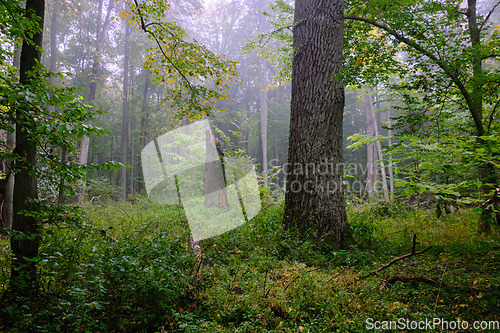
[
  {"x": 389, "y": 282},
  {"x": 375, "y": 272}
]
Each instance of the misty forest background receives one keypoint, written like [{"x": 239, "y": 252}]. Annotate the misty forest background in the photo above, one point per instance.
[{"x": 415, "y": 131}]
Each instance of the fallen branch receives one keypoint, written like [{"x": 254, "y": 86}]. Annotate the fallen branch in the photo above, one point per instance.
[
  {"x": 389, "y": 282},
  {"x": 375, "y": 272}
]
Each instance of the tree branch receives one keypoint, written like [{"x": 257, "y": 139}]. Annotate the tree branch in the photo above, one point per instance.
[
  {"x": 270, "y": 34},
  {"x": 490, "y": 56},
  {"x": 13, "y": 16},
  {"x": 452, "y": 74},
  {"x": 144, "y": 27},
  {"x": 488, "y": 16},
  {"x": 492, "y": 114}
]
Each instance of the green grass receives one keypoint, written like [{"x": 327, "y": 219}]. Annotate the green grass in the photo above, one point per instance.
[{"x": 131, "y": 269}]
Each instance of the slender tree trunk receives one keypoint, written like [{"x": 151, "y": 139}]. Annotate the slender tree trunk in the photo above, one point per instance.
[
  {"x": 259, "y": 152},
  {"x": 246, "y": 141},
  {"x": 53, "y": 41},
  {"x": 143, "y": 136},
  {"x": 8, "y": 207},
  {"x": 263, "y": 117},
  {"x": 132, "y": 142},
  {"x": 391, "y": 167},
  {"x": 133, "y": 154},
  {"x": 100, "y": 31},
  {"x": 314, "y": 200},
  {"x": 64, "y": 157},
  {"x": 144, "y": 115},
  {"x": 111, "y": 157},
  {"x": 263, "y": 97},
  {"x": 125, "y": 116},
  {"x": 53, "y": 69},
  {"x": 371, "y": 166},
  {"x": 25, "y": 241},
  {"x": 380, "y": 154}
]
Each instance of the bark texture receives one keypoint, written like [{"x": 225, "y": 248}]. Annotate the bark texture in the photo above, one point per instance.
[
  {"x": 25, "y": 240},
  {"x": 314, "y": 199}
]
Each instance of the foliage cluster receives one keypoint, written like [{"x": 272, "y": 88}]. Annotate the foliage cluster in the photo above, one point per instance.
[
  {"x": 197, "y": 78},
  {"x": 435, "y": 64}
]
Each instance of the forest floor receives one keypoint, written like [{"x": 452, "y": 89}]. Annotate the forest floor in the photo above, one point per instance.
[{"x": 130, "y": 268}]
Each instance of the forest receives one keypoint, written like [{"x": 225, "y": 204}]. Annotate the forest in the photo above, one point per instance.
[{"x": 249, "y": 166}]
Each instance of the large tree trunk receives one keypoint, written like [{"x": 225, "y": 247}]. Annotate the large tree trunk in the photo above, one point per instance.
[
  {"x": 314, "y": 198},
  {"x": 25, "y": 240},
  {"x": 125, "y": 116}
]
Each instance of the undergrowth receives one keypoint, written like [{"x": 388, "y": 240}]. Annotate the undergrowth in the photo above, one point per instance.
[{"x": 130, "y": 267}]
